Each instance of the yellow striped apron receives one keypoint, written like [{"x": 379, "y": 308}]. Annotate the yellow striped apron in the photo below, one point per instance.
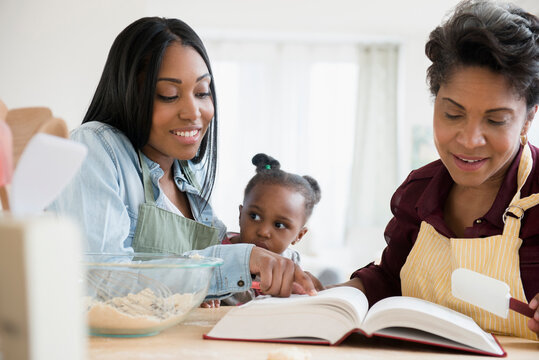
[{"x": 427, "y": 271}]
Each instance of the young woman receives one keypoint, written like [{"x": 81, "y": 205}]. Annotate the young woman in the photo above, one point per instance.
[
  {"x": 476, "y": 207},
  {"x": 151, "y": 132}
]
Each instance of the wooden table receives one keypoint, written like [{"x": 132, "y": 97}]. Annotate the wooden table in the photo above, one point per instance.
[{"x": 185, "y": 341}]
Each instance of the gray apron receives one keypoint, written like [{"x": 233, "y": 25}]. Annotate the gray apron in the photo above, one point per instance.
[{"x": 161, "y": 231}]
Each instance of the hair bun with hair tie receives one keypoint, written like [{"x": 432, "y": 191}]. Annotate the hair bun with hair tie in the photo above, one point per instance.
[{"x": 265, "y": 162}]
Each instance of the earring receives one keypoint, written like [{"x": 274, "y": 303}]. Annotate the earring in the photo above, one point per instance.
[{"x": 523, "y": 139}]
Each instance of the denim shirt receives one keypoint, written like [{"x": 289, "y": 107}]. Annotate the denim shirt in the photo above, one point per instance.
[{"x": 104, "y": 198}]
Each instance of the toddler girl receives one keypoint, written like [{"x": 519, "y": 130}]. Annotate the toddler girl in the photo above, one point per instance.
[{"x": 275, "y": 209}]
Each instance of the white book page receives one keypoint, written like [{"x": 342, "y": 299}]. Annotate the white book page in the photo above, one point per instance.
[
  {"x": 350, "y": 299},
  {"x": 329, "y": 315},
  {"x": 409, "y": 312}
]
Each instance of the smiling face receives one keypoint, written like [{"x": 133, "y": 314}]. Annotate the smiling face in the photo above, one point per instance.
[
  {"x": 272, "y": 217},
  {"x": 183, "y": 107},
  {"x": 478, "y": 121}
]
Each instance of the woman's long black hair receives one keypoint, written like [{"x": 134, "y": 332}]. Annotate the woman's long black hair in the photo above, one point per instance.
[{"x": 125, "y": 94}]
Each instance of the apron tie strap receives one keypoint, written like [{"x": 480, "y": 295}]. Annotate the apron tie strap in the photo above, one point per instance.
[
  {"x": 146, "y": 180},
  {"x": 515, "y": 211},
  {"x": 524, "y": 169}
]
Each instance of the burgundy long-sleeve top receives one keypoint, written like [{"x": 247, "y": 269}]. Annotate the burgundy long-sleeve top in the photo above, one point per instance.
[{"x": 421, "y": 198}]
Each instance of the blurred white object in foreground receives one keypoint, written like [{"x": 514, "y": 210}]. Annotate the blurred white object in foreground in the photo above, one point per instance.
[
  {"x": 40, "y": 293},
  {"x": 46, "y": 166}
]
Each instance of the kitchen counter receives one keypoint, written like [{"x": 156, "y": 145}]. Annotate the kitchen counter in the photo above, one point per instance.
[{"x": 185, "y": 341}]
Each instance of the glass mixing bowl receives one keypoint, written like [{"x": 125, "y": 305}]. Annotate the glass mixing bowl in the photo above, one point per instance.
[{"x": 142, "y": 294}]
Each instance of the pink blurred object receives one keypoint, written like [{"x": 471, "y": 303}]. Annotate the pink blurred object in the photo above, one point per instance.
[{"x": 6, "y": 162}]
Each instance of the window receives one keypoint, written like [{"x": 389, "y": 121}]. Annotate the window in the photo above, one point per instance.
[{"x": 298, "y": 103}]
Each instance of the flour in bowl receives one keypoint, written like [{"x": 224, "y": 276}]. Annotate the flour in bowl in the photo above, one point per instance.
[{"x": 140, "y": 313}]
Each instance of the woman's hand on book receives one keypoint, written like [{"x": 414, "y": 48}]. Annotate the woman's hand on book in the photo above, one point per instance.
[
  {"x": 533, "y": 323},
  {"x": 279, "y": 276}
]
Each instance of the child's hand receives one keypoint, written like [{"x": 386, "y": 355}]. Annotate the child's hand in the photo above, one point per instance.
[
  {"x": 533, "y": 323},
  {"x": 215, "y": 303}
]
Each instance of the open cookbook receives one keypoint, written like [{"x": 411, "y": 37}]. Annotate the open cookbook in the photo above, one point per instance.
[{"x": 333, "y": 314}]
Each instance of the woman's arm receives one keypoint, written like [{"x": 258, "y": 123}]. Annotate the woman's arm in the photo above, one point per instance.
[
  {"x": 354, "y": 282},
  {"x": 278, "y": 276},
  {"x": 94, "y": 196}
]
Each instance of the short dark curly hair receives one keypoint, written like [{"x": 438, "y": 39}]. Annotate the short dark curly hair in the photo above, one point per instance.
[
  {"x": 499, "y": 36},
  {"x": 268, "y": 171}
]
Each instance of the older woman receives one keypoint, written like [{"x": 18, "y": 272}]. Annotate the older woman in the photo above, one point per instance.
[{"x": 476, "y": 206}]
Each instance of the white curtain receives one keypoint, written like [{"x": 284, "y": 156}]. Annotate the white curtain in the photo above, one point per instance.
[
  {"x": 375, "y": 156},
  {"x": 297, "y": 101}
]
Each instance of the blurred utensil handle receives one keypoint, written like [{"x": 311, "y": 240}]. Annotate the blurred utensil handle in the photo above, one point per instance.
[{"x": 521, "y": 307}]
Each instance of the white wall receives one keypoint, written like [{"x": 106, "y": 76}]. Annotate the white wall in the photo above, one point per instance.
[{"x": 53, "y": 51}]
